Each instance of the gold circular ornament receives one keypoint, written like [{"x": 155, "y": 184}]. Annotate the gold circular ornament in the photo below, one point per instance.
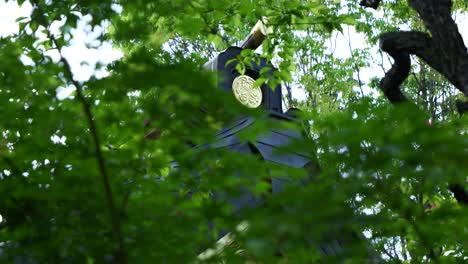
[{"x": 245, "y": 92}]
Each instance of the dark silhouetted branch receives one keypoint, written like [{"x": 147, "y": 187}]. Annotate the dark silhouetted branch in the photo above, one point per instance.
[
  {"x": 460, "y": 193},
  {"x": 462, "y": 107},
  {"x": 370, "y": 3},
  {"x": 443, "y": 50},
  {"x": 399, "y": 45}
]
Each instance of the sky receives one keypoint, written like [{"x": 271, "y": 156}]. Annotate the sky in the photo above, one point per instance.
[{"x": 77, "y": 52}]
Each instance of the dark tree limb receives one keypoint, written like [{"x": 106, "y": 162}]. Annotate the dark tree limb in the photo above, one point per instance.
[
  {"x": 443, "y": 49},
  {"x": 450, "y": 56},
  {"x": 462, "y": 107},
  {"x": 399, "y": 45},
  {"x": 370, "y": 3},
  {"x": 390, "y": 84},
  {"x": 461, "y": 195}
]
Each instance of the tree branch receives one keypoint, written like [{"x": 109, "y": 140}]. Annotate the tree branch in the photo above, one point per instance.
[
  {"x": 370, "y": 3},
  {"x": 399, "y": 45},
  {"x": 462, "y": 107},
  {"x": 450, "y": 56},
  {"x": 116, "y": 224},
  {"x": 443, "y": 50},
  {"x": 115, "y": 218},
  {"x": 460, "y": 193}
]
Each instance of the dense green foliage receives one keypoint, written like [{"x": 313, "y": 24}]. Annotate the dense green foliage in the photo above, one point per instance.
[{"x": 79, "y": 182}]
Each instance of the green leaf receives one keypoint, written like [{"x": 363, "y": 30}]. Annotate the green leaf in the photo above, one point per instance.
[{"x": 240, "y": 67}]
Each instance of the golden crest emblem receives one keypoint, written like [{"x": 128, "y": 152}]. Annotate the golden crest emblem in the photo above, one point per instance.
[{"x": 245, "y": 92}]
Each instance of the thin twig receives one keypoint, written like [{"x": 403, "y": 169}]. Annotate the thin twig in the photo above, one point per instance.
[{"x": 356, "y": 67}]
